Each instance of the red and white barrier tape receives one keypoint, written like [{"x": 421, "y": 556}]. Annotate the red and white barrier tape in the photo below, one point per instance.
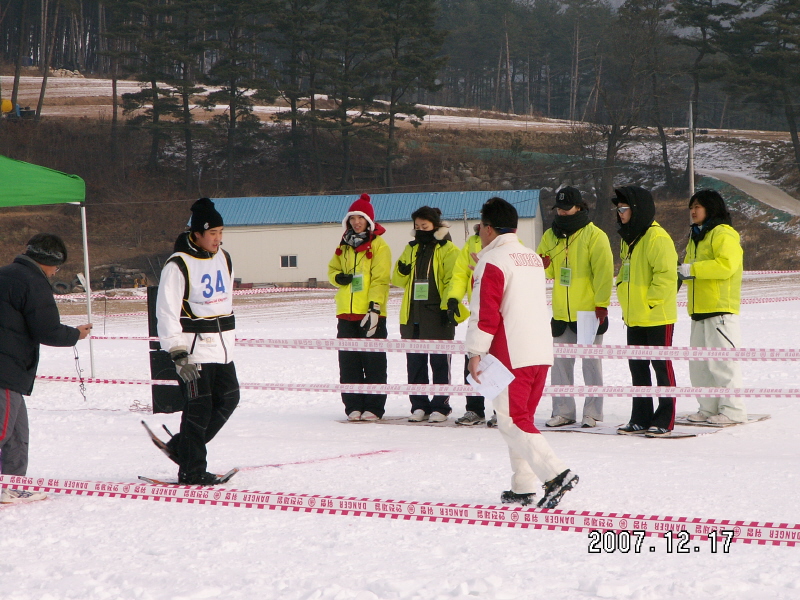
[
  {"x": 463, "y": 390},
  {"x": 747, "y": 532},
  {"x": 561, "y": 350}
]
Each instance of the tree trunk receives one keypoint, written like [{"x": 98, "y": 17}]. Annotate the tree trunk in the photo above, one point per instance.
[
  {"x": 152, "y": 162},
  {"x": 20, "y": 51},
  {"x": 661, "y": 134},
  {"x": 603, "y": 215},
  {"x": 231, "y": 136},
  {"x": 187, "y": 129},
  {"x": 48, "y": 53},
  {"x": 509, "y": 85},
  {"x": 390, "y": 145},
  {"x": 314, "y": 131},
  {"x": 792, "y": 122}
]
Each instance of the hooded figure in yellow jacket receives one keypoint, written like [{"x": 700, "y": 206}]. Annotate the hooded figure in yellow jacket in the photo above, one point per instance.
[
  {"x": 577, "y": 256},
  {"x": 713, "y": 273},
  {"x": 424, "y": 271},
  {"x": 361, "y": 268},
  {"x": 647, "y": 289}
]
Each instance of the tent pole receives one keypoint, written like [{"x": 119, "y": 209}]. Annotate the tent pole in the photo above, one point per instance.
[{"x": 88, "y": 284}]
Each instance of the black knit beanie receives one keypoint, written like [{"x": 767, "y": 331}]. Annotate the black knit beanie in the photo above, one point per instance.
[
  {"x": 205, "y": 216},
  {"x": 47, "y": 249}
]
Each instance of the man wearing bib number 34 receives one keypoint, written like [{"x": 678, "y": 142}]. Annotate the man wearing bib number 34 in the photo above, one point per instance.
[{"x": 196, "y": 327}]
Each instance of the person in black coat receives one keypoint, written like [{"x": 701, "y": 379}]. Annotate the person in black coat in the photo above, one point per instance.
[{"x": 28, "y": 318}]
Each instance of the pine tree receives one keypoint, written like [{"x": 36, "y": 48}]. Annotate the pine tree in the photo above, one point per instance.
[
  {"x": 411, "y": 64},
  {"x": 238, "y": 72}
]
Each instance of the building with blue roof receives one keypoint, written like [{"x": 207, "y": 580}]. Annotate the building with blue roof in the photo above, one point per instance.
[{"x": 290, "y": 239}]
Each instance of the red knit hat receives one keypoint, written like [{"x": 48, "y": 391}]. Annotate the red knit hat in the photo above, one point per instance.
[{"x": 361, "y": 207}]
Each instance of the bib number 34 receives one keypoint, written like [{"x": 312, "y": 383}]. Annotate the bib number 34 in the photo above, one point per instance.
[{"x": 209, "y": 290}]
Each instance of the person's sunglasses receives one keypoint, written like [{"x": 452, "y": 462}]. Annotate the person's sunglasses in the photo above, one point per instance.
[{"x": 622, "y": 209}]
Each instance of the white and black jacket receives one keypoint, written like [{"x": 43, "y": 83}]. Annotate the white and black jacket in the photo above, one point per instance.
[{"x": 195, "y": 303}]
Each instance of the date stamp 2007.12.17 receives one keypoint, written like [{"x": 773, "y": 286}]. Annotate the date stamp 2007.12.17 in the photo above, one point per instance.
[{"x": 671, "y": 542}]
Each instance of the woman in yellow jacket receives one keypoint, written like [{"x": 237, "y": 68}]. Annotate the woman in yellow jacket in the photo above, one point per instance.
[
  {"x": 424, "y": 271},
  {"x": 713, "y": 273},
  {"x": 361, "y": 268},
  {"x": 647, "y": 289}
]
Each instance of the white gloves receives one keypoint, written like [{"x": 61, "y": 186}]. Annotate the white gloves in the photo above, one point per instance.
[
  {"x": 369, "y": 324},
  {"x": 685, "y": 271}
]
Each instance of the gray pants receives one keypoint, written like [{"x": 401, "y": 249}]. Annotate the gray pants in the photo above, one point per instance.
[
  {"x": 563, "y": 373},
  {"x": 718, "y": 332},
  {"x": 14, "y": 433}
]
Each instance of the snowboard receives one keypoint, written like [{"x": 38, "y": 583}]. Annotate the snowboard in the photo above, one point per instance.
[
  {"x": 682, "y": 420},
  {"x": 386, "y": 420},
  {"x": 225, "y": 478},
  {"x": 677, "y": 433}
]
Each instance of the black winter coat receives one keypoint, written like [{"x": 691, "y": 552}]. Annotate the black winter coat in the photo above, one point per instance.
[{"x": 28, "y": 317}]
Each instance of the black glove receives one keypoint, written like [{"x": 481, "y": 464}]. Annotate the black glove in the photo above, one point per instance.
[
  {"x": 403, "y": 268},
  {"x": 453, "y": 310},
  {"x": 369, "y": 324},
  {"x": 343, "y": 278}
]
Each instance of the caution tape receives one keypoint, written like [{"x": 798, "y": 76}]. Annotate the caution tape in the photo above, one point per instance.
[
  {"x": 464, "y": 390},
  {"x": 717, "y": 533},
  {"x": 561, "y": 350}
]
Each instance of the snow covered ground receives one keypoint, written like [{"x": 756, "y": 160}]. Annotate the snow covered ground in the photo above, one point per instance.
[{"x": 103, "y": 548}]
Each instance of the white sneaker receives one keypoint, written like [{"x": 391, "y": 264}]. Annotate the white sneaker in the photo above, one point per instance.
[
  {"x": 589, "y": 422},
  {"x": 354, "y": 416},
  {"x": 417, "y": 416},
  {"x": 368, "y": 416},
  {"x": 720, "y": 419},
  {"x": 558, "y": 421},
  {"x": 437, "y": 417},
  {"x": 697, "y": 417},
  {"x": 11, "y": 496}
]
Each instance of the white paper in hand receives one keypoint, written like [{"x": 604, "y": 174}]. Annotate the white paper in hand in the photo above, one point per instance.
[
  {"x": 494, "y": 377},
  {"x": 588, "y": 324}
]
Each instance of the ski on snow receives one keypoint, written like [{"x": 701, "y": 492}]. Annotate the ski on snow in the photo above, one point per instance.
[
  {"x": 160, "y": 444},
  {"x": 226, "y": 477}
]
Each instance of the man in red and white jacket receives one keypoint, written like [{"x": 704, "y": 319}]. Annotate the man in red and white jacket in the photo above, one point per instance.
[{"x": 509, "y": 320}]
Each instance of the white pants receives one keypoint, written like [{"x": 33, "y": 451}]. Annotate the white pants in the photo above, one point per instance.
[
  {"x": 718, "y": 332},
  {"x": 532, "y": 459},
  {"x": 563, "y": 373}
]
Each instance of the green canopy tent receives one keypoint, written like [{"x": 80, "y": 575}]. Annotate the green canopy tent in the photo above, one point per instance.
[{"x": 25, "y": 184}]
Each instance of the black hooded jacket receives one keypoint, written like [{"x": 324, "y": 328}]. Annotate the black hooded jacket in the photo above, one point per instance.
[
  {"x": 28, "y": 317},
  {"x": 643, "y": 212}
]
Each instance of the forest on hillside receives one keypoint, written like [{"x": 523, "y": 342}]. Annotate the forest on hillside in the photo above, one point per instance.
[{"x": 352, "y": 70}]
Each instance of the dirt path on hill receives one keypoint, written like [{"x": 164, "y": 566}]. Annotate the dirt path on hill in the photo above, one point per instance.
[{"x": 760, "y": 190}]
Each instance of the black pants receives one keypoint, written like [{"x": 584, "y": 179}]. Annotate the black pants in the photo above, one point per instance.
[
  {"x": 204, "y": 416},
  {"x": 417, "y": 370},
  {"x": 474, "y": 403},
  {"x": 642, "y": 412},
  {"x": 362, "y": 367}
]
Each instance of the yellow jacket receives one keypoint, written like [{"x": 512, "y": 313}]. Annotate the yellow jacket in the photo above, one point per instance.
[
  {"x": 375, "y": 263},
  {"x": 444, "y": 259},
  {"x": 717, "y": 269},
  {"x": 461, "y": 281},
  {"x": 587, "y": 252},
  {"x": 649, "y": 297}
]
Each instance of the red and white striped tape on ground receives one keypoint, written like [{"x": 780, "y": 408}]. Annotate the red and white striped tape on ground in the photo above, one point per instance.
[
  {"x": 568, "y": 350},
  {"x": 748, "y": 532},
  {"x": 464, "y": 390}
]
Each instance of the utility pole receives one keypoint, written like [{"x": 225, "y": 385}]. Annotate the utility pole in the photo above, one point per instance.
[{"x": 691, "y": 152}]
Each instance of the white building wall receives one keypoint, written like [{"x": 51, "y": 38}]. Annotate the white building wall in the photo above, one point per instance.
[{"x": 256, "y": 250}]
